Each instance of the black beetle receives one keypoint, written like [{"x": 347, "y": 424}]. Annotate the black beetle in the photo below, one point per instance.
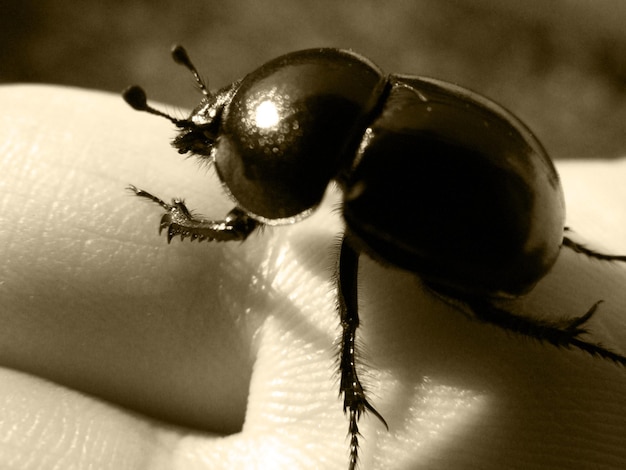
[{"x": 436, "y": 179}]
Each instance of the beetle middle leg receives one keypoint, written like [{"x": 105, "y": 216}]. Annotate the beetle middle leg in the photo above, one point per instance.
[
  {"x": 565, "y": 333},
  {"x": 178, "y": 220},
  {"x": 354, "y": 401}
]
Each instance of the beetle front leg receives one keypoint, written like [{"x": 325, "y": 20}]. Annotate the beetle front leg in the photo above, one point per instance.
[
  {"x": 178, "y": 220},
  {"x": 354, "y": 401}
]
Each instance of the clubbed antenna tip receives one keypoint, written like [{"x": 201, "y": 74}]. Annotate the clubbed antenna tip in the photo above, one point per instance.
[
  {"x": 179, "y": 53},
  {"x": 180, "y": 56},
  {"x": 136, "y": 98}
]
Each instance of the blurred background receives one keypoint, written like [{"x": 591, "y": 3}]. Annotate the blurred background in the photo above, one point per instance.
[{"x": 559, "y": 65}]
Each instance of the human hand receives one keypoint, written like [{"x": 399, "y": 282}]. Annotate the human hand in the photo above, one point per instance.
[{"x": 122, "y": 352}]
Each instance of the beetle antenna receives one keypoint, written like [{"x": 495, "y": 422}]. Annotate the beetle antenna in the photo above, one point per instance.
[
  {"x": 135, "y": 96},
  {"x": 180, "y": 56}
]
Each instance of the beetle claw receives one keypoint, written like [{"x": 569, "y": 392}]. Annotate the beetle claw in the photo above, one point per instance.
[{"x": 179, "y": 220}]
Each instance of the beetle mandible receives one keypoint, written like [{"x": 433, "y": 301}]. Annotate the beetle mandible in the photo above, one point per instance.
[{"x": 436, "y": 180}]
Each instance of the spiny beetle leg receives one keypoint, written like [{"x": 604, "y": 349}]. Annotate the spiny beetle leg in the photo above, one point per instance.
[
  {"x": 179, "y": 220},
  {"x": 355, "y": 402},
  {"x": 564, "y": 333}
]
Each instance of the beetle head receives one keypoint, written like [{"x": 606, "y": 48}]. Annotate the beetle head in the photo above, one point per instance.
[{"x": 199, "y": 131}]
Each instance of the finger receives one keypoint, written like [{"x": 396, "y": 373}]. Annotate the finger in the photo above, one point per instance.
[
  {"x": 94, "y": 298},
  {"x": 595, "y": 193},
  {"x": 47, "y": 426},
  {"x": 430, "y": 368},
  {"x": 101, "y": 304}
]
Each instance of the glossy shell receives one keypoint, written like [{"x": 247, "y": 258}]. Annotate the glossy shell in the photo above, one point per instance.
[
  {"x": 454, "y": 187},
  {"x": 437, "y": 179},
  {"x": 291, "y": 126}
]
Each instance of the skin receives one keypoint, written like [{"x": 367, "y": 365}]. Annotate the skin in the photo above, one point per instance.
[{"x": 121, "y": 352}]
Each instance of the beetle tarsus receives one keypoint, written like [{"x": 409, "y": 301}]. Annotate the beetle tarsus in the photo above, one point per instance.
[
  {"x": 563, "y": 333},
  {"x": 355, "y": 402},
  {"x": 580, "y": 248},
  {"x": 178, "y": 220}
]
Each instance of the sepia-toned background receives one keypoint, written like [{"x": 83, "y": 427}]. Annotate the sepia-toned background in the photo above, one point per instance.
[{"x": 559, "y": 65}]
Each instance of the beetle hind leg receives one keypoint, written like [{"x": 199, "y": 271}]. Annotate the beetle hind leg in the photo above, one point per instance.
[
  {"x": 580, "y": 248},
  {"x": 564, "y": 333},
  {"x": 179, "y": 220},
  {"x": 355, "y": 402}
]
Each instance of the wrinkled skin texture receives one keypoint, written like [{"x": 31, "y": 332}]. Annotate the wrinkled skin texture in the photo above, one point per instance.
[{"x": 100, "y": 306}]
